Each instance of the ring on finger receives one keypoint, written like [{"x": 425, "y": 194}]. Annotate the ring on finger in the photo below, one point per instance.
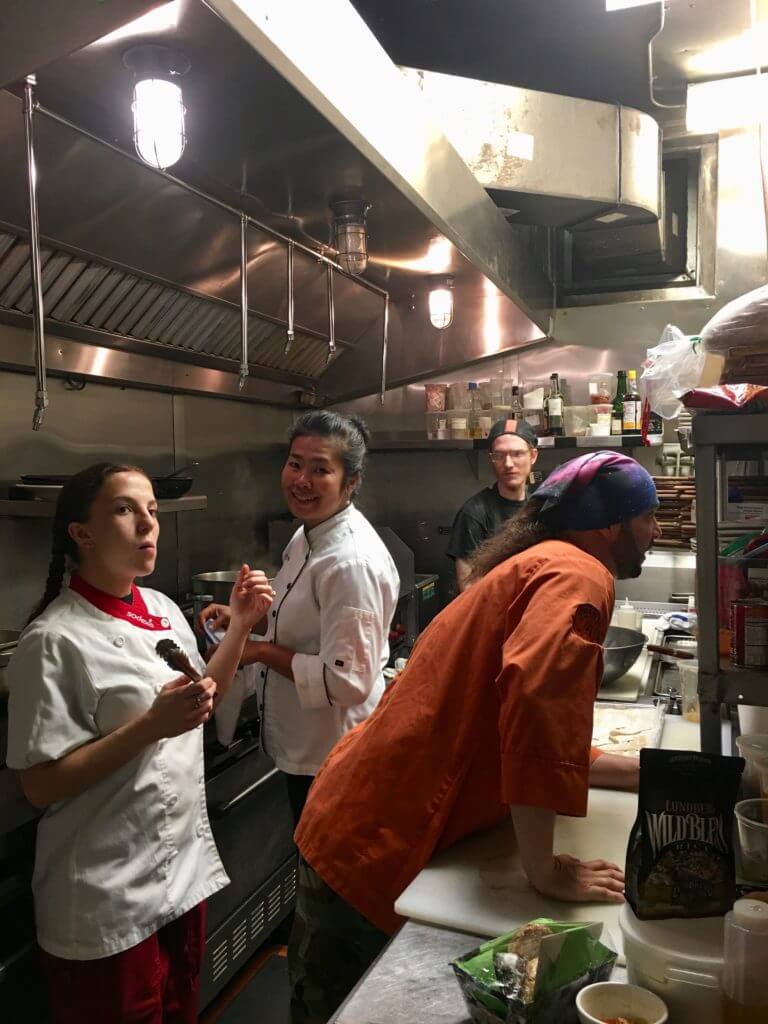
[{"x": 198, "y": 702}]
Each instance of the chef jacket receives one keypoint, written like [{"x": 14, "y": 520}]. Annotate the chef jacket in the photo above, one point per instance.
[
  {"x": 335, "y": 596},
  {"x": 133, "y": 851},
  {"x": 494, "y": 708}
]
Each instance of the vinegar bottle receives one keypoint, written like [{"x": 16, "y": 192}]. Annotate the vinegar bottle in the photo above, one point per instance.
[{"x": 745, "y": 977}]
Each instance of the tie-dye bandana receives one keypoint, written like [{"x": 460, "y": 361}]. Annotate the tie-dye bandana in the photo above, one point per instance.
[{"x": 596, "y": 490}]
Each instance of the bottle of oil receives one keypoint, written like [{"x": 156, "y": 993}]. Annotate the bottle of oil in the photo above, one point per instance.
[
  {"x": 745, "y": 978},
  {"x": 554, "y": 407},
  {"x": 617, "y": 412}
]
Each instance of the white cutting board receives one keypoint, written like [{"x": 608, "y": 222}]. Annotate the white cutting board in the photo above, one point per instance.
[{"x": 478, "y": 885}]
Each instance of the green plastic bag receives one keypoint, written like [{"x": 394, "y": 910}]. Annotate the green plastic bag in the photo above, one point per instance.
[{"x": 570, "y": 959}]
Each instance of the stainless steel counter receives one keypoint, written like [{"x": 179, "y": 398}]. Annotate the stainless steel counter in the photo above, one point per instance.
[{"x": 412, "y": 980}]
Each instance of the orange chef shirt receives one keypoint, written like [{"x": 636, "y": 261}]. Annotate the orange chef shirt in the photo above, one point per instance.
[{"x": 494, "y": 708}]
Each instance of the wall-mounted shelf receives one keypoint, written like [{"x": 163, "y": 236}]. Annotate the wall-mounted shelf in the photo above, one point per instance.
[
  {"x": 396, "y": 443},
  {"x": 46, "y": 509}
]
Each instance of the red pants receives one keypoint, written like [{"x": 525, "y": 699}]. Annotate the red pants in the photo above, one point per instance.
[{"x": 156, "y": 982}]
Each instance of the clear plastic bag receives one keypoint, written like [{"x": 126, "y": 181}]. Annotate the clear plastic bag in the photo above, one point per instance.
[{"x": 673, "y": 367}]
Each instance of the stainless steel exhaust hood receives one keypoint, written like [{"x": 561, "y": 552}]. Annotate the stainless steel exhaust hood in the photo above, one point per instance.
[
  {"x": 548, "y": 159},
  {"x": 275, "y": 131}
]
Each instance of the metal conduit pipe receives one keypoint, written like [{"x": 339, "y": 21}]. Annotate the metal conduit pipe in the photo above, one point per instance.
[
  {"x": 41, "y": 387},
  {"x": 290, "y": 333},
  {"x": 331, "y": 316},
  {"x": 244, "y": 370},
  {"x": 384, "y": 343}
]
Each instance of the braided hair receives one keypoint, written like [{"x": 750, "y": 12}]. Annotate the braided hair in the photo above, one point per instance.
[{"x": 73, "y": 506}]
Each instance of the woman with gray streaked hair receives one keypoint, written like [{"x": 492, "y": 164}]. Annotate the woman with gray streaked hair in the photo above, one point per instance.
[{"x": 319, "y": 666}]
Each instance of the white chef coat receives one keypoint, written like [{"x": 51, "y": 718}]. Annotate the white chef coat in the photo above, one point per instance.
[
  {"x": 133, "y": 851},
  {"x": 335, "y": 596}
]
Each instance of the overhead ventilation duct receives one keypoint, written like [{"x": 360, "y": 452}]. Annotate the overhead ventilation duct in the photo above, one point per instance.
[{"x": 550, "y": 160}]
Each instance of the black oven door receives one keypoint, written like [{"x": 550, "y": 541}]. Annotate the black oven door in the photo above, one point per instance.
[{"x": 252, "y": 824}]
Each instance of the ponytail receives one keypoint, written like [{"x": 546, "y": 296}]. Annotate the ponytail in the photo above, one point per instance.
[
  {"x": 518, "y": 534},
  {"x": 73, "y": 506}
]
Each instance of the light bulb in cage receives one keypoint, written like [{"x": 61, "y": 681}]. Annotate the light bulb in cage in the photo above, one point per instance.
[
  {"x": 441, "y": 302},
  {"x": 350, "y": 235},
  {"x": 159, "y": 132}
]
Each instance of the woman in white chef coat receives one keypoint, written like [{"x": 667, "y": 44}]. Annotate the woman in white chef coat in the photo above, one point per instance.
[
  {"x": 326, "y": 638},
  {"x": 107, "y": 741}
]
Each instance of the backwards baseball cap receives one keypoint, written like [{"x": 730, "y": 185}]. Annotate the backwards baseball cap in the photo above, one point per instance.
[
  {"x": 517, "y": 428},
  {"x": 596, "y": 490}
]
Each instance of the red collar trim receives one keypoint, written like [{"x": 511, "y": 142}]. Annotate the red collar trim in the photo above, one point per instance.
[{"x": 136, "y": 613}]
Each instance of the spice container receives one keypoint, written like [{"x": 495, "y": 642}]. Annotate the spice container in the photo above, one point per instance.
[
  {"x": 459, "y": 428},
  {"x": 435, "y": 396},
  {"x": 533, "y": 408},
  {"x": 458, "y": 395},
  {"x": 601, "y": 389}
]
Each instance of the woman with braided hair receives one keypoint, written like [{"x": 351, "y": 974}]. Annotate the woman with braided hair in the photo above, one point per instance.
[{"x": 109, "y": 744}]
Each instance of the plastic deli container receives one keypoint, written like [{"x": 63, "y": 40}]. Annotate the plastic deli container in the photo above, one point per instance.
[
  {"x": 752, "y": 820},
  {"x": 681, "y": 961},
  {"x": 435, "y": 397},
  {"x": 459, "y": 428},
  {"x": 753, "y": 747},
  {"x": 689, "y": 689}
]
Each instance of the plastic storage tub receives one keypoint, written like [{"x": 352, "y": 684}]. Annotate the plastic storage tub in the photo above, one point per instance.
[{"x": 681, "y": 961}]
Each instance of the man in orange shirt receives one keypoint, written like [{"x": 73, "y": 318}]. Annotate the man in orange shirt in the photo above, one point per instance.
[{"x": 491, "y": 716}]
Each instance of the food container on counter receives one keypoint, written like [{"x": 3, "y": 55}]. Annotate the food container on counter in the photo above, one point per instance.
[
  {"x": 601, "y": 389},
  {"x": 485, "y": 423},
  {"x": 458, "y": 395},
  {"x": 578, "y": 418},
  {"x": 753, "y": 747},
  {"x": 569, "y": 958},
  {"x": 689, "y": 689},
  {"x": 459, "y": 428},
  {"x": 435, "y": 397},
  {"x": 752, "y": 821},
  {"x": 680, "y": 960},
  {"x": 609, "y": 1000},
  {"x": 437, "y": 426}
]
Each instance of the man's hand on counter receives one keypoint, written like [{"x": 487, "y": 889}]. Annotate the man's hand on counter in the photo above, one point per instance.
[
  {"x": 579, "y": 881},
  {"x": 613, "y": 771}
]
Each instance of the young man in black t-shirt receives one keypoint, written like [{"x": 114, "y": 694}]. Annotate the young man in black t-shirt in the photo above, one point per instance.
[{"x": 513, "y": 451}]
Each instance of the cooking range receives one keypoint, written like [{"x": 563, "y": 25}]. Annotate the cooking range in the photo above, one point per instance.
[{"x": 253, "y": 827}]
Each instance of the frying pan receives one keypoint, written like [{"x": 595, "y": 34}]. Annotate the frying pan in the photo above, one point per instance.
[
  {"x": 165, "y": 487},
  {"x": 620, "y": 652}
]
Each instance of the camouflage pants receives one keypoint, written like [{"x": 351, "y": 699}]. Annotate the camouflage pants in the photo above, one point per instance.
[{"x": 330, "y": 948}]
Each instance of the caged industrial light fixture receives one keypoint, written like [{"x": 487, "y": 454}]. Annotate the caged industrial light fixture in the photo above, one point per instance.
[
  {"x": 441, "y": 302},
  {"x": 350, "y": 237},
  {"x": 158, "y": 104}
]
